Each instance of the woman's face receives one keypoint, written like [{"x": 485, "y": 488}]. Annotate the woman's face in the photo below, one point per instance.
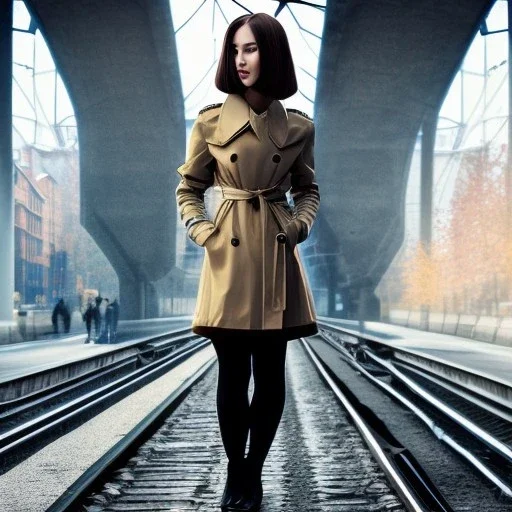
[{"x": 247, "y": 55}]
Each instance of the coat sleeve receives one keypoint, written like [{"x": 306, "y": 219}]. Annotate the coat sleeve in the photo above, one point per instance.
[
  {"x": 197, "y": 174},
  {"x": 304, "y": 190}
]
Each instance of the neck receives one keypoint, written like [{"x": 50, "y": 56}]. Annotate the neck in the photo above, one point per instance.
[{"x": 257, "y": 101}]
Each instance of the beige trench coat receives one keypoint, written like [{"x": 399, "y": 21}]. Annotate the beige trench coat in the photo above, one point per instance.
[{"x": 252, "y": 279}]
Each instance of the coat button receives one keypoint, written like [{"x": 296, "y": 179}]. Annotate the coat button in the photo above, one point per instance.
[
  {"x": 281, "y": 238},
  {"x": 276, "y": 158},
  {"x": 233, "y": 157},
  {"x": 235, "y": 242}
]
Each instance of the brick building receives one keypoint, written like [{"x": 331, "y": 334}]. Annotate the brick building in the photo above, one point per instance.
[
  {"x": 54, "y": 255},
  {"x": 40, "y": 261}
]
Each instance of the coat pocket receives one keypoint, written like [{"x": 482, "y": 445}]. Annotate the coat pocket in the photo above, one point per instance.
[
  {"x": 221, "y": 213},
  {"x": 214, "y": 240},
  {"x": 283, "y": 215}
]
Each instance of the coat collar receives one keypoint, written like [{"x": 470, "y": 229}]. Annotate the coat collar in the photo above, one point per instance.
[{"x": 236, "y": 115}]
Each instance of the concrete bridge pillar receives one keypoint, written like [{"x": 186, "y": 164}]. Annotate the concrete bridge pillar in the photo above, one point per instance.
[
  {"x": 6, "y": 174},
  {"x": 138, "y": 298}
]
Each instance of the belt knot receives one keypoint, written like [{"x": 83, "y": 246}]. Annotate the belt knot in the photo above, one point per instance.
[{"x": 255, "y": 202}]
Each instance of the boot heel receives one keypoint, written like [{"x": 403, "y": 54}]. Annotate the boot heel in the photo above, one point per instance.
[{"x": 233, "y": 490}]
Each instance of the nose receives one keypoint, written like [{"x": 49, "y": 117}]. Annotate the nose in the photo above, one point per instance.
[{"x": 239, "y": 60}]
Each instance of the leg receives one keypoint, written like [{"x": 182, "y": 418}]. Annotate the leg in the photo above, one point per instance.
[
  {"x": 268, "y": 399},
  {"x": 232, "y": 395},
  {"x": 266, "y": 409},
  {"x": 234, "y": 359}
]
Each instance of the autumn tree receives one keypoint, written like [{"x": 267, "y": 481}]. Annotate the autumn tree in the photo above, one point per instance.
[
  {"x": 421, "y": 279},
  {"x": 468, "y": 266},
  {"x": 475, "y": 238}
]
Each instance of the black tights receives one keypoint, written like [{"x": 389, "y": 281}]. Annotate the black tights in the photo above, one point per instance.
[{"x": 262, "y": 416}]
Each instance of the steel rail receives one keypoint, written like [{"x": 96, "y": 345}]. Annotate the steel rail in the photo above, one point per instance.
[
  {"x": 370, "y": 337},
  {"x": 144, "y": 343},
  {"x": 29, "y": 404},
  {"x": 410, "y": 500},
  {"x": 39, "y": 398},
  {"x": 464, "y": 422},
  {"x": 34, "y": 428},
  {"x": 456, "y": 389},
  {"x": 70, "y": 500},
  {"x": 438, "y": 431}
]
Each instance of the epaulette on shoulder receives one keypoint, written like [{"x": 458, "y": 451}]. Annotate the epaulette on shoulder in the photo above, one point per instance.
[
  {"x": 209, "y": 107},
  {"x": 295, "y": 111}
]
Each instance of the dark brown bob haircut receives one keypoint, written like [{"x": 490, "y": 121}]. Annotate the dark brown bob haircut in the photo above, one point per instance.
[{"x": 277, "y": 74}]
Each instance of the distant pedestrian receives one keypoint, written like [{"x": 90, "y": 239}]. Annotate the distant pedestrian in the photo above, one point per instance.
[
  {"x": 61, "y": 311},
  {"x": 88, "y": 317},
  {"x": 55, "y": 316},
  {"x": 97, "y": 317},
  {"x": 109, "y": 317},
  {"x": 115, "y": 318},
  {"x": 66, "y": 317}
]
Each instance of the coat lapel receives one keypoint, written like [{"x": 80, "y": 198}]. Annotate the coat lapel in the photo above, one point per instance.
[
  {"x": 277, "y": 123},
  {"x": 236, "y": 116}
]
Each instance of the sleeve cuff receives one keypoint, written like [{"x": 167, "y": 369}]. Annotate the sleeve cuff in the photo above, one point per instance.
[
  {"x": 201, "y": 231},
  {"x": 303, "y": 231}
]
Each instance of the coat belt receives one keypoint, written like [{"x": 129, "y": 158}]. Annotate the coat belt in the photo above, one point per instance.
[{"x": 261, "y": 201}]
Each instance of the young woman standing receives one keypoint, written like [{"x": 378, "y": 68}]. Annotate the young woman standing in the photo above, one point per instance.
[{"x": 253, "y": 293}]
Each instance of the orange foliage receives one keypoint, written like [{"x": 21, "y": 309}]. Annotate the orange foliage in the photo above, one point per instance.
[
  {"x": 470, "y": 265},
  {"x": 421, "y": 279},
  {"x": 477, "y": 232}
]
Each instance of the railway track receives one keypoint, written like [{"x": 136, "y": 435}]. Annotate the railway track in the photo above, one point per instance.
[
  {"x": 474, "y": 425},
  {"x": 332, "y": 452},
  {"x": 406, "y": 475},
  {"x": 28, "y": 422},
  {"x": 180, "y": 464}
]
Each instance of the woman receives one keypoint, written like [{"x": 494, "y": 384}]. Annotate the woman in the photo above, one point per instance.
[{"x": 253, "y": 293}]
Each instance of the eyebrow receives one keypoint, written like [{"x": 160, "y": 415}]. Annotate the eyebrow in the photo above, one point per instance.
[{"x": 245, "y": 45}]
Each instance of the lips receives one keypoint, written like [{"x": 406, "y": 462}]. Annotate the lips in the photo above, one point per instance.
[{"x": 243, "y": 74}]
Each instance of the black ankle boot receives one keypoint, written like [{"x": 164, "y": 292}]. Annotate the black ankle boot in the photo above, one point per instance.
[
  {"x": 234, "y": 488},
  {"x": 253, "y": 490}
]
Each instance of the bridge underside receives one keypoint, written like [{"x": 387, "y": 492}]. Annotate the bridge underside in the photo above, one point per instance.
[
  {"x": 384, "y": 66},
  {"x": 119, "y": 62}
]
